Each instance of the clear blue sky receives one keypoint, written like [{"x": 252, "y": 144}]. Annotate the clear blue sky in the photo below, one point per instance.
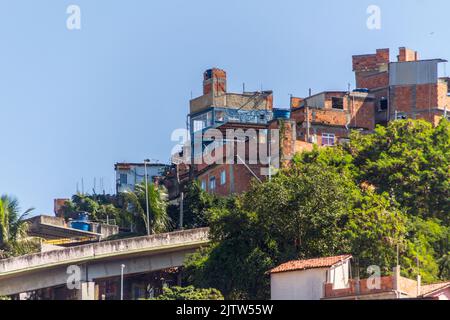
[{"x": 72, "y": 103}]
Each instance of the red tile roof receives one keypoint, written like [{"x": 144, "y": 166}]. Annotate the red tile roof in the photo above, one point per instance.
[
  {"x": 310, "y": 264},
  {"x": 430, "y": 288}
]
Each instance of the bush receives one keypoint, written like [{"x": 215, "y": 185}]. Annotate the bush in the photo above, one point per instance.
[{"x": 190, "y": 293}]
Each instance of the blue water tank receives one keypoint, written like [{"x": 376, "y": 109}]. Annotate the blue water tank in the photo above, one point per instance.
[
  {"x": 79, "y": 225},
  {"x": 361, "y": 90},
  {"x": 281, "y": 113},
  {"x": 83, "y": 216}
]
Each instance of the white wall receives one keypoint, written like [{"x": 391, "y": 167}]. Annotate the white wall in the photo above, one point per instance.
[
  {"x": 298, "y": 285},
  {"x": 136, "y": 175},
  {"x": 339, "y": 275}
]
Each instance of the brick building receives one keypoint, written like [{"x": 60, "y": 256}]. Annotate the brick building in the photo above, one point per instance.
[
  {"x": 385, "y": 91},
  {"x": 409, "y": 88},
  {"x": 327, "y": 118},
  {"x": 241, "y": 113}
]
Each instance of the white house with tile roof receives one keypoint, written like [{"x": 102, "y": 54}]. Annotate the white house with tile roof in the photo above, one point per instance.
[{"x": 306, "y": 279}]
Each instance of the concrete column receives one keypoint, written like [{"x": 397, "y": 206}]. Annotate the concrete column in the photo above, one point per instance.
[
  {"x": 396, "y": 278},
  {"x": 87, "y": 291}
]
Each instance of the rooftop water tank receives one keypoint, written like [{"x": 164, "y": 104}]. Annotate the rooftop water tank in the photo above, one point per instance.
[
  {"x": 81, "y": 223},
  {"x": 83, "y": 216},
  {"x": 361, "y": 90},
  {"x": 281, "y": 113}
]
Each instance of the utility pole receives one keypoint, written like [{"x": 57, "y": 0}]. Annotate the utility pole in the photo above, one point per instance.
[
  {"x": 146, "y": 195},
  {"x": 181, "y": 210},
  {"x": 181, "y": 198},
  {"x": 121, "y": 281}
]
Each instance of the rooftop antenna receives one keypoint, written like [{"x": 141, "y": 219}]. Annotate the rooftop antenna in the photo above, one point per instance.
[
  {"x": 82, "y": 186},
  {"x": 243, "y": 87},
  {"x": 310, "y": 92}
]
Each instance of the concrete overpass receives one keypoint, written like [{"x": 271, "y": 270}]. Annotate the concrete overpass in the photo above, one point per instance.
[{"x": 99, "y": 260}]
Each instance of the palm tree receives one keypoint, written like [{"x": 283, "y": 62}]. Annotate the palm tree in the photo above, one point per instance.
[
  {"x": 157, "y": 200},
  {"x": 14, "y": 239}
]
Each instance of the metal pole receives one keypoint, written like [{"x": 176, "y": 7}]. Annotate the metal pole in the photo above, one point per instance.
[
  {"x": 121, "y": 281},
  {"x": 146, "y": 197},
  {"x": 181, "y": 210},
  {"x": 181, "y": 197}
]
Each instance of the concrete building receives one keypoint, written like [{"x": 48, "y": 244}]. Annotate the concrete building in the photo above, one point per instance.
[
  {"x": 388, "y": 288},
  {"x": 305, "y": 279},
  {"x": 128, "y": 175},
  {"x": 56, "y": 232}
]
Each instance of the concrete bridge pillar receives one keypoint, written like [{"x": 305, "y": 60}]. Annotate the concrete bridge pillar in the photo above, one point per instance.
[{"x": 87, "y": 291}]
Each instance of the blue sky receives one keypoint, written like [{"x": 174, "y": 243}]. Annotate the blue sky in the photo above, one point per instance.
[{"x": 72, "y": 103}]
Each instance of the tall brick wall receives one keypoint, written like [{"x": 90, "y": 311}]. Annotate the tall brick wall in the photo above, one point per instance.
[
  {"x": 238, "y": 178},
  {"x": 371, "y": 62},
  {"x": 422, "y": 101}
]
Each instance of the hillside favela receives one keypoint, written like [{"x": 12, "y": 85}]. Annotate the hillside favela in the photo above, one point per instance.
[{"x": 236, "y": 193}]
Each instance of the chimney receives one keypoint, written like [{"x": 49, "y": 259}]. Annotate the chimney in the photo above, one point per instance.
[
  {"x": 406, "y": 55},
  {"x": 214, "y": 82}
]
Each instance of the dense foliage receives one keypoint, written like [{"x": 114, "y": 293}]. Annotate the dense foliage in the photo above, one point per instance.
[
  {"x": 381, "y": 197},
  {"x": 127, "y": 210},
  {"x": 189, "y": 293},
  {"x": 14, "y": 240}
]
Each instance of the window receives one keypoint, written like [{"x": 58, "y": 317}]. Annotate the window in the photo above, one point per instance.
[
  {"x": 212, "y": 183},
  {"x": 202, "y": 121},
  {"x": 223, "y": 177},
  {"x": 337, "y": 103},
  {"x": 203, "y": 185},
  {"x": 123, "y": 178},
  {"x": 328, "y": 139},
  {"x": 220, "y": 116},
  {"x": 383, "y": 106}
]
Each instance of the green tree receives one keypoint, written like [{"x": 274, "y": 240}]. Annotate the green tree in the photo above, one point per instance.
[
  {"x": 197, "y": 202},
  {"x": 189, "y": 293},
  {"x": 410, "y": 160},
  {"x": 376, "y": 229},
  {"x": 380, "y": 194},
  {"x": 298, "y": 214},
  {"x": 14, "y": 240},
  {"x": 135, "y": 205}
]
